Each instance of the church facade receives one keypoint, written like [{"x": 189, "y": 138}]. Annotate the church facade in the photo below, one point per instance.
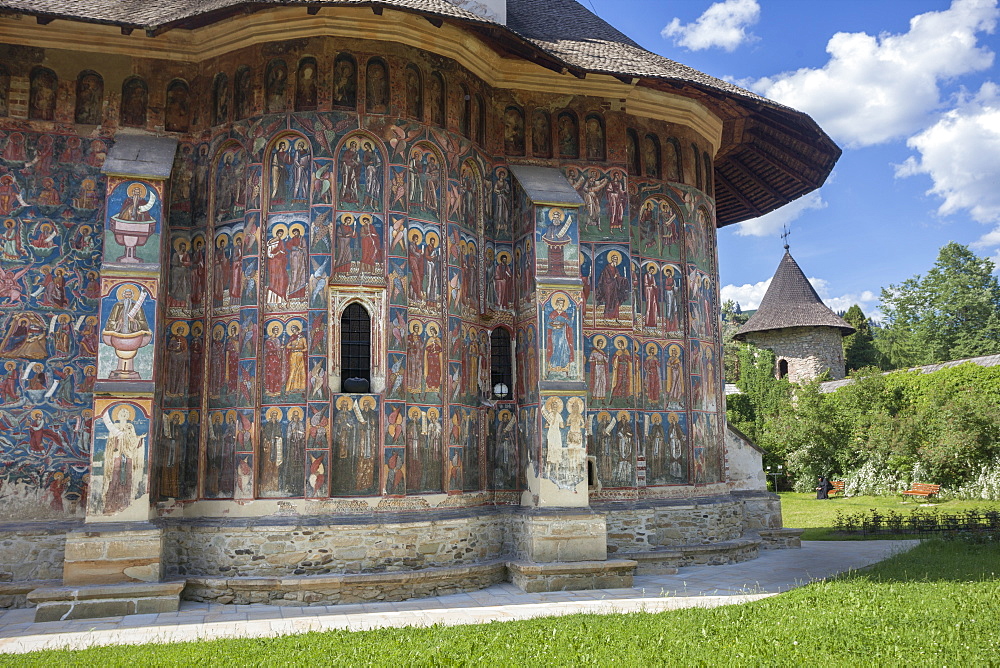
[{"x": 339, "y": 291}]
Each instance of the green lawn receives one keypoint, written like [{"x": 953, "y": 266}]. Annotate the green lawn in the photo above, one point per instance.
[
  {"x": 936, "y": 605},
  {"x": 805, "y": 511}
]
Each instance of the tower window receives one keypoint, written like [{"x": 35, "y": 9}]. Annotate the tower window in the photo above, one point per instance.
[
  {"x": 501, "y": 376},
  {"x": 355, "y": 349}
]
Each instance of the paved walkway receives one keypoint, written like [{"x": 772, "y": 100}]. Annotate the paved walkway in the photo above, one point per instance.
[{"x": 694, "y": 586}]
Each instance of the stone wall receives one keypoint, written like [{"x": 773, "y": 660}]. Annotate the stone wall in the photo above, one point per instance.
[
  {"x": 744, "y": 463},
  {"x": 272, "y": 549},
  {"x": 809, "y": 351},
  {"x": 653, "y": 525},
  {"x": 30, "y": 554}
]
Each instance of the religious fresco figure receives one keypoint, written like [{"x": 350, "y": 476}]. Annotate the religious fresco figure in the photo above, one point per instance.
[
  {"x": 275, "y": 361},
  {"x": 220, "y": 99},
  {"x": 124, "y": 453},
  {"x": 177, "y": 366},
  {"x": 677, "y": 444},
  {"x": 89, "y": 98},
  {"x": 276, "y": 254},
  {"x": 42, "y": 92},
  {"x": 371, "y": 245},
  {"x": 344, "y": 244},
  {"x": 177, "y": 111},
  {"x": 243, "y": 92},
  {"x": 345, "y": 81},
  {"x": 433, "y": 349},
  {"x": 598, "y": 362},
  {"x": 513, "y": 133},
  {"x": 306, "y": 85},
  {"x": 651, "y": 296},
  {"x": 135, "y": 101},
  {"x": 437, "y": 100},
  {"x": 568, "y": 131},
  {"x": 651, "y": 161},
  {"x": 621, "y": 370},
  {"x": 275, "y": 86},
  {"x": 675, "y": 378},
  {"x": 594, "y": 131},
  {"x": 612, "y": 286},
  {"x": 541, "y": 134},
  {"x": 4, "y": 91},
  {"x": 560, "y": 338},
  {"x": 652, "y": 375},
  {"x": 376, "y": 87},
  {"x": 297, "y": 351},
  {"x": 414, "y": 93}
]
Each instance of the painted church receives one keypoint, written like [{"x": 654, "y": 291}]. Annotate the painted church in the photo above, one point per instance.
[{"x": 332, "y": 300}]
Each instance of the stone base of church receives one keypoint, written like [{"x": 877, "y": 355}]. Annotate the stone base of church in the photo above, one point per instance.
[
  {"x": 532, "y": 577},
  {"x": 114, "y": 553}
]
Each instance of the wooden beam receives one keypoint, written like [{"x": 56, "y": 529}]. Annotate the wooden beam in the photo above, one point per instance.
[
  {"x": 736, "y": 193},
  {"x": 784, "y": 169},
  {"x": 794, "y": 153},
  {"x": 748, "y": 173}
]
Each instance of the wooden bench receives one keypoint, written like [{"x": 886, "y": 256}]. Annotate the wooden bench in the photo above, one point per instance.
[
  {"x": 838, "y": 487},
  {"x": 923, "y": 489}
]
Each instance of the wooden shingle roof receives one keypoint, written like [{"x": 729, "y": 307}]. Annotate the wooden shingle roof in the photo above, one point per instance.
[
  {"x": 791, "y": 301},
  {"x": 770, "y": 154}
]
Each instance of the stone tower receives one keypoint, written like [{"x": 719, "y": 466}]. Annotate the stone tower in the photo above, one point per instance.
[{"x": 795, "y": 324}]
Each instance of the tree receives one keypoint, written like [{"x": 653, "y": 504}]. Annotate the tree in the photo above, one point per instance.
[
  {"x": 859, "y": 347},
  {"x": 950, "y": 313},
  {"x": 732, "y": 320}
]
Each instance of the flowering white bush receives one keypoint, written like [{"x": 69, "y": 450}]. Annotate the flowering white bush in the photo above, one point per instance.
[
  {"x": 985, "y": 486},
  {"x": 874, "y": 478}
]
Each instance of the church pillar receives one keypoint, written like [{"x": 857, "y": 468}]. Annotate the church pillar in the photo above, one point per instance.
[
  {"x": 557, "y": 524},
  {"x": 113, "y": 565}
]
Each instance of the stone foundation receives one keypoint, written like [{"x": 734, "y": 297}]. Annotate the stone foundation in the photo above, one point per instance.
[
  {"x": 31, "y": 556},
  {"x": 59, "y": 603},
  {"x": 532, "y": 577},
  {"x": 653, "y": 524}
]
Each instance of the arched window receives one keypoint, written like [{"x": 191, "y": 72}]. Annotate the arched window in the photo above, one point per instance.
[
  {"x": 376, "y": 87},
  {"x": 673, "y": 171},
  {"x": 355, "y": 349},
  {"x": 306, "y": 84},
  {"x": 594, "y": 130},
  {"x": 513, "y": 131},
  {"x": 345, "y": 81},
  {"x": 568, "y": 130},
  {"x": 275, "y": 85},
  {"x": 782, "y": 368},
  {"x": 651, "y": 158},
  {"x": 177, "y": 113},
  {"x": 243, "y": 92},
  {"x": 465, "y": 117},
  {"x": 89, "y": 96},
  {"x": 541, "y": 134},
  {"x": 501, "y": 368},
  {"x": 42, "y": 94},
  {"x": 414, "y": 93},
  {"x": 220, "y": 99},
  {"x": 135, "y": 100},
  {"x": 438, "y": 100},
  {"x": 632, "y": 155}
]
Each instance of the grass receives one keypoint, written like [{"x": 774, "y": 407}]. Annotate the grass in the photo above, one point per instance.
[
  {"x": 805, "y": 511},
  {"x": 938, "y": 604}
]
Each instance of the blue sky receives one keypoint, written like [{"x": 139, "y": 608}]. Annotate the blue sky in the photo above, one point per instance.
[{"x": 909, "y": 88}]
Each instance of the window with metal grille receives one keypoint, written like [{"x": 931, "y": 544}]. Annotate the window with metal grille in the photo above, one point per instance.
[
  {"x": 502, "y": 373},
  {"x": 355, "y": 349}
]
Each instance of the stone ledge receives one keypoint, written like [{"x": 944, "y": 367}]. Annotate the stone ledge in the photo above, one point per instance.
[
  {"x": 15, "y": 594},
  {"x": 666, "y": 560},
  {"x": 89, "y": 602},
  {"x": 781, "y": 539},
  {"x": 533, "y": 577}
]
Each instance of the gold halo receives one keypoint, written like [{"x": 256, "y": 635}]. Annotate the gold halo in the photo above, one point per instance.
[
  {"x": 271, "y": 412},
  {"x": 651, "y": 268},
  {"x": 623, "y": 415},
  {"x": 178, "y": 241},
  {"x": 505, "y": 414},
  {"x": 238, "y": 238},
  {"x": 431, "y": 235},
  {"x": 198, "y": 242},
  {"x": 503, "y": 254},
  {"x": 221, "y": 240},
  {"x": 613, "y": 255},
  {"x": 347, "y": 219},
  {"x": 415, "y": 236},
  {"x": 651, "y": 349},
  {"x": 575, "y": 403},
  {"x": 669, "y": 269},
  {"x": 600, "y": 341},
  {"x": 275, "y": 328},
  {"x": 234, "y": 328},
  {"x": 279, "y": 227},
  {"x": 416, "y": 327},
  {"x": 343, "y": 403},
  {"x": 219, "y": 329},
  {"x": 470, "y": 247},
  {"x": 180, "y": 328},
  {"x": 603, "y": 416},
  {"x": 299, "y": 227},
  {"x": 85, "y": 229},
  {"x": 674, "y": 348},
  {"x": 414, "y": 413},
  {"x": 175, "y": 414},
  {"x": 197, "y": 328},
  {"x": 194, "y": 417},
  {"x": 120, "y": 292},
  {"x": 556, "y": 210},
  {"x": 367, "y": 402},
  {"x": 560, "y": 295},
  {"x": 657, "y": 418},
  {"x": 300, "y": 324},
  {"x": 366, "y": 219},
  {"x": 673, "y": 418},
  {"x": 117, "y": 410},
  {"x": 620, "y": 340},
  {"x": 230, "y": 416},
  {"x": 294, "y": 412},
  {"x": 432, "y": 329},
  {"x": 220, "y": 416},
  {"x": 554, "y": 405},
  {"x": 136, "y": 187},
  {"x": 433, "y": 413}
]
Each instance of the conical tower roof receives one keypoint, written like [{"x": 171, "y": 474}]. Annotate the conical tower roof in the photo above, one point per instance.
[{"x": 791, "y": 301}]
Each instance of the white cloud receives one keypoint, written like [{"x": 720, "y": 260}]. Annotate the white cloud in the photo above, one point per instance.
[
  {"x": 723, "y": 25},
  {"x": 961, "y": 155},
  {"x": 877, "y": 88},
  {"x": 771, "y": 223},
  {"x": 749, "y": 296}
]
